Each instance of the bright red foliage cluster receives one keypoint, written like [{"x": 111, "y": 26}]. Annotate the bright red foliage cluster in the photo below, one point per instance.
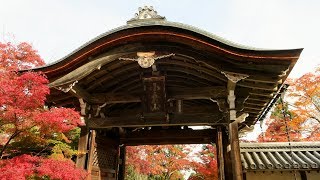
[
  {"x": 26, "y": 125},
  {"x": 17, "y": 57},
  {"x": 26, "y": 166},
  {"x": 22, "y": 107},
  {"x": 59, "y": 119},
  {"x": 21, "y": 95}
]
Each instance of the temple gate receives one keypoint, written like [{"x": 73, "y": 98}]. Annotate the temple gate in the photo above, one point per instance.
[{"x": 150, "y": 81}]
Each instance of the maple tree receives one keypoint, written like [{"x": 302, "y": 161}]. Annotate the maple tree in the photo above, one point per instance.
[
  {"x": 207, "y": 167},
  {"x": 299, "y": 115},
  {"x": 171, "y": 162},
  {"x": 279, "y": 126},
  {"x": 17, "y": 57},
  {"x": 158, "y": 161},
  {"x": 26, "y": 124}
]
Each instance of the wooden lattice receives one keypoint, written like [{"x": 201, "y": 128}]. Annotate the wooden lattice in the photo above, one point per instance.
[{"x": 105, "y": 158}]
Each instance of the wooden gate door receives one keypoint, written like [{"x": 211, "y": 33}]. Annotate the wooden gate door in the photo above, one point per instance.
[{"x": 104, "y": 157}]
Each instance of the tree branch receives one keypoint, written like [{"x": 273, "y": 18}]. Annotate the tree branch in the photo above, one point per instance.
[{"x": 15, "y": 134}]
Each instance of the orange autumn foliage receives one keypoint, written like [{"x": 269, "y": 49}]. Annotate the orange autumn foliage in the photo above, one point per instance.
[
  {"x": 158, "y": 160},
  {"x": 301, "y": 111},
  {"x": 207, "y": 168}
]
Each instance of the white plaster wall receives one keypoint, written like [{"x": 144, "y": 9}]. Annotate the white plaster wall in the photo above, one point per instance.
[
  {"x": 313, "y": 175},
  {"x": 286, "y": 175}
]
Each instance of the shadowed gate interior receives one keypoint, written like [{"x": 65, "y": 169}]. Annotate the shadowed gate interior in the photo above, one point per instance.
[{"x": 149, "y": 81}]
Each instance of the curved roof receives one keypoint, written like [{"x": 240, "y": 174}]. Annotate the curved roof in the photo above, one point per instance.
[
  {"x": 226, "y": 45},
  {"x": 200, "y": 61},
  {"x": 159, "y": 23}
]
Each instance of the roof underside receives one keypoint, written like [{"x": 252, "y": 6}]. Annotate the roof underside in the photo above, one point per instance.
[{"x": 194, "y": 74}]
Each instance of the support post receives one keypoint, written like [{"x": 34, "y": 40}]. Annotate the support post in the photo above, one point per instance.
[
  {"x": 122, "y": 163},
  {"x": 82, "y": 157},
  {"x": 233, "y": 78},
  {"x": 91, "y": 152},
  {"x": 235, "y": 151},
  {"x": 226, "y": 155},
  {"x": 220, "y": 154}
]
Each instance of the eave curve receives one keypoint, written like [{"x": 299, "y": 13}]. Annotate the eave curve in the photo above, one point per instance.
[{"x": 166, "y": 29}]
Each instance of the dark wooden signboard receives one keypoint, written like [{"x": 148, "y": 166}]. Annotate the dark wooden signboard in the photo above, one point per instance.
[{"x": 154, "y": 99}]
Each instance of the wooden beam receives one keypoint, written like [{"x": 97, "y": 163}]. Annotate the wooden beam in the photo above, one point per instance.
[
  {"x": 113, "y": 98},
  {"x": 255, "y": 104},
  {"x": 213, "y": 92},
  {"x": 187, "y": 108},
  {"x": 259, "y": 86},
  {"x": 264, "y": 94},
  {"x": 253, "y": 107},
  {"x": 78, "y": 92},
  {"x": 194, "y": 119},
  {"x": 197, "y": 93},
  {"x": 168, "y": 136},
  {"x": 173, "y": 93}
]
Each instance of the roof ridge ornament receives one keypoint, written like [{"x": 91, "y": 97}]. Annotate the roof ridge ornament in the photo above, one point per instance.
[{"x": 146, "y": 13}]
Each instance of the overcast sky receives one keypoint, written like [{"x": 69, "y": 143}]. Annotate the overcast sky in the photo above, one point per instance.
[{"x": 55, "y": 28}]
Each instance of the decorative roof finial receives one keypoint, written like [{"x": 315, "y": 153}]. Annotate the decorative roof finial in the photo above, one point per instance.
[{"x": 146, "y": 13}]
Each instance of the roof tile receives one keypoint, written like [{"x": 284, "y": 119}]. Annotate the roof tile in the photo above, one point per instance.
[{"x": 268, "y": 156}]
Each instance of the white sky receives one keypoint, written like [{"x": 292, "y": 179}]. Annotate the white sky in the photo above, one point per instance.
[{"x": 55, "y": 28}]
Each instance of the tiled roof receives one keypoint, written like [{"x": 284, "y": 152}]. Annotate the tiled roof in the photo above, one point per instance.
[{"x": 281, "y": 156}]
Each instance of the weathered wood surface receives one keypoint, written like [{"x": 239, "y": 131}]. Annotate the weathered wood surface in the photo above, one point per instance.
[
  {"x": 91, "y": 151},
  {"x": 105, "y": 157},
  {"x": 173, "y": 93},
  {"x": 168, "y": 136},
  {"x": 82, "y": 148},
  {"x": 193, "y": 119}
]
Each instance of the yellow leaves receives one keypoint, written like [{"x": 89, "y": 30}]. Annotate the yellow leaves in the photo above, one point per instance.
[{"x": 62, "y": 150}]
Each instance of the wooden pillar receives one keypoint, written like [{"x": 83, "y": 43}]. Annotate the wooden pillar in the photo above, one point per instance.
[
  {"x": 122, "y": 163},
  {"x": 219, "y": 145},
  {"x": 233, "y": 78},
  {"x": 235, "y": 151},
  {"x": 91, "y": 152},
  {"x": 82, "y": 157}
]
